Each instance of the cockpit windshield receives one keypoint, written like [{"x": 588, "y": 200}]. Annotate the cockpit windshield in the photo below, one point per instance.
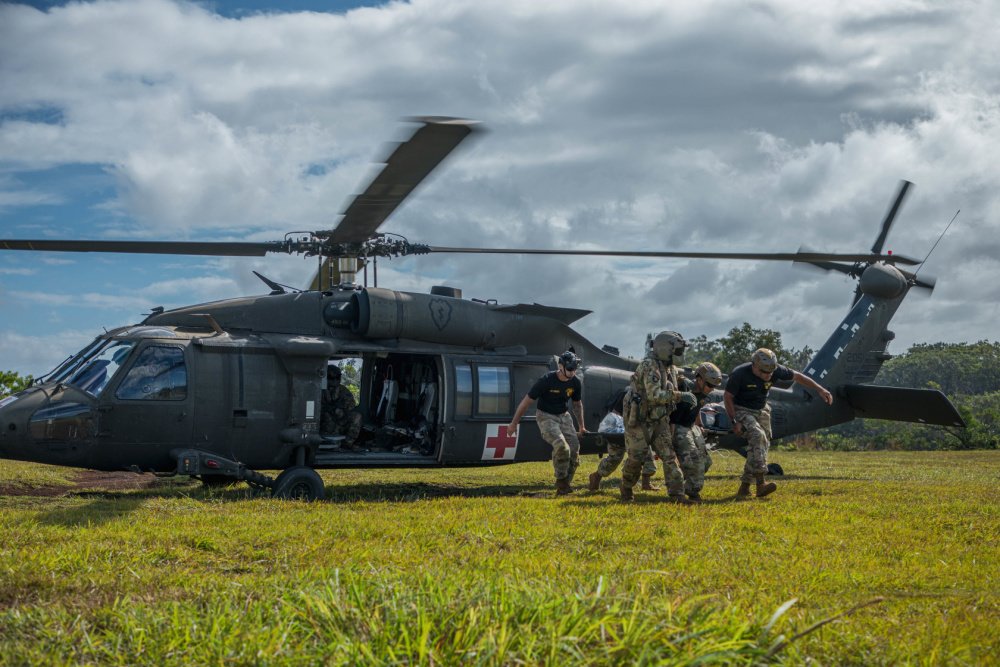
[
  {"x": 67, "y": 367},
  {"x": 93, "y": 376}
]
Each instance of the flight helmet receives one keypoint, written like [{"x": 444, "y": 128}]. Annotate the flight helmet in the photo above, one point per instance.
[
  {"x": 667, "y": 345},
  {"x": 710, "y": 373},
  {"x": 569, "y": 360},
  {"x": 764, "y": 360}
]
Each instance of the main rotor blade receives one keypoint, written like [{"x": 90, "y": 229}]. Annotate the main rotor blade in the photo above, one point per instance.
[
  {"x": 216, "y": 248},
  {"x": 849, "y": 269},
  {"x": 408, "y": 165},
  {"x": 904, "y": 187},
  {"x": 772, "y": 256}
]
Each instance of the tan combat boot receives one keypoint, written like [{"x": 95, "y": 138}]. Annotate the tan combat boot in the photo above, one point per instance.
[
  {"x": 627, "y": 495},
  {"x": 647, "y": 483},
  {"x": 594, "y": 482},
  {"x": 764, "y": 488},
  {"x": 563, "y": 487},
  {"x": 744, "y": 492}
]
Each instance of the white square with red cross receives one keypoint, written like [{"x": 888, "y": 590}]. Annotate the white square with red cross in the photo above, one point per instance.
[{"x": 498, "y": 445}]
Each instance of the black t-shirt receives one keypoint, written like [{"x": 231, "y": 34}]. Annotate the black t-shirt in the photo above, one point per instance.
[
  {"x": 552, "y": 393},
  {"x": 686, "y": 415},
  {"x": 748, "y": 390}
]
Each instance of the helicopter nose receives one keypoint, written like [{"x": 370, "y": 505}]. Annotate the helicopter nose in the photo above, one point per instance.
[
  {"x": 10, "y": 429},
  {"x": 15, "y": 414}
]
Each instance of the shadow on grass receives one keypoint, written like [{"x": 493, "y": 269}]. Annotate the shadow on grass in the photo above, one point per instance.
[
  {"x": 611, "y": 497},
  {"x": 735, "y": 477},
  {"x": 94, "y": 513},
  {"x": 107, "y": 505},
  {"x": 423, "y": 490}
]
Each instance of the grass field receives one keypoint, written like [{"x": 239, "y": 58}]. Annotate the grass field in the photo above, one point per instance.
[{"x": 483, "y": 566}]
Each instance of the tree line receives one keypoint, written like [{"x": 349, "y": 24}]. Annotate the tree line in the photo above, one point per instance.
[{"x": 967, "y": 373}]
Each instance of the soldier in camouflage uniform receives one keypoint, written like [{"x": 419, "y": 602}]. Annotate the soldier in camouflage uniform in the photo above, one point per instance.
[
  {"x": 614, "y": 423},
  {"x": 653, "y": 394},
  {"x": 689, "y": 441},
  {"x": 746, "y": 405},
  {"x": 337, "y": 413}
]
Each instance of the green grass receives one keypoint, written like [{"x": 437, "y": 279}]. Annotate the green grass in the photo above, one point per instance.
[{"x": 483, "y": 566}]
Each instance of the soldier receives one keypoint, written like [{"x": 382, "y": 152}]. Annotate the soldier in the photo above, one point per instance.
[
  {"x": 746, "y": 404},
  {"x": 689, "y": 441},
  {"x": 613, "y": 423},
  {"x": 552, "y": 391},
  {"x": 652, "y": 396},
  {"x": 337, "y": 413}
]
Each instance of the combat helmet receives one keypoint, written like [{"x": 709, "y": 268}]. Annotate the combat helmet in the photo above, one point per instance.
[
  {"x": 667, "y": 345},
  {"x": 764, "y": 360},
  {"x": 569, "y": 360},
  {"x": 334, "y": 372},
  {"x": 710, "y": 373}
]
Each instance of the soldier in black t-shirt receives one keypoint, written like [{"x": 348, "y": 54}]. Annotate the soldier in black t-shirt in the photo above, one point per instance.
[
  {"x": 746, "y": 403},
  {"x": 552, "y": 392}
]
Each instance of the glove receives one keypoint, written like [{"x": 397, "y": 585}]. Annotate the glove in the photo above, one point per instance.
[{"x": 686, "y": 398}]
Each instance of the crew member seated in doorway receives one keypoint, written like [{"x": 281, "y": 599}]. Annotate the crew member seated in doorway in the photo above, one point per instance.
[{"x": 338, "y": 415}]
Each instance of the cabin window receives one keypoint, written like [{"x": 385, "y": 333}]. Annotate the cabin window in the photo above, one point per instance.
[
  {"x": 463, "y": 390},
  {"x": 493, "y": 397},
  {"x": 482, "y": 391},
  {"x": 159, "y": 374}
]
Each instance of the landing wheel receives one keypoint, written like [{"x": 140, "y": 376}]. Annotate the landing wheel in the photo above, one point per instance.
[
  {"x": 299, "y": 483},
  {"x": 775, "y": 469}
]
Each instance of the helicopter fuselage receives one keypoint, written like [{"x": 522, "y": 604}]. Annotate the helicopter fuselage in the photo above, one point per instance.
[
  {"x": 238, "y": 383},
  {"x": 438, "y": 379}
]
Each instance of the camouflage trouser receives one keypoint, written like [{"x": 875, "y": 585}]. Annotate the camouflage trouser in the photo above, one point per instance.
[
  {"x": 616, "y": 454},
  {"x": 689, "y": 443},
  {"x": 558, "y": 431},
  {"x": 347, "y": 424},
  {"x": 757, "y": 431},
  {"x": 637, "y": 443}
]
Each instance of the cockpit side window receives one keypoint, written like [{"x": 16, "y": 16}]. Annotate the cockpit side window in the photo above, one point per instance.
[
  {"x": 94, "y": 375},
  {"x": 158, "y": 374}
]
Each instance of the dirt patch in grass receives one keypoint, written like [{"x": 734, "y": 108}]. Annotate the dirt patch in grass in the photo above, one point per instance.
[{"x": 86, "y": 480}]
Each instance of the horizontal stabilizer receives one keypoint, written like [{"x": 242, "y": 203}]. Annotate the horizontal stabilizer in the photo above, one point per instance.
[
  {"x": 564, "y": 315},
  {"x": 923, "y": 406}
]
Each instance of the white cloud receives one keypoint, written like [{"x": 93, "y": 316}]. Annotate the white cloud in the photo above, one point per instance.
[{"x": 647, "y": 125}]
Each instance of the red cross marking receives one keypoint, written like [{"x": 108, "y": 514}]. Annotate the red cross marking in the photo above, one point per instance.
[{"x": 500, "y": 442}]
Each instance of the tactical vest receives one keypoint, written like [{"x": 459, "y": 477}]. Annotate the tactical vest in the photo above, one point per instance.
[{"x": 638, "y": 408}]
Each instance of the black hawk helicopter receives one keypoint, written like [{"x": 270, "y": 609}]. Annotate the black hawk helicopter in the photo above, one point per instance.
[{"x": 226, "y": 389}]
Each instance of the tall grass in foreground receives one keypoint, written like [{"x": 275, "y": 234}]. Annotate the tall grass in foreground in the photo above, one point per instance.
[
  {"x": 484, "y": 566},
  {"x": 350, "y": 620}
]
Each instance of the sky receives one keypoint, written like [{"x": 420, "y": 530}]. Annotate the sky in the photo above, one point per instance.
[{"x": 690, "y": 125}]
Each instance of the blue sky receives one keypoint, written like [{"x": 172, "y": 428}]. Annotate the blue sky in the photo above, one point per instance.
[{"x": 713, "y": 125}]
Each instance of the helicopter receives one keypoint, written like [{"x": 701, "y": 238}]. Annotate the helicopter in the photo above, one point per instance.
[{"x": 225, "y": 390}]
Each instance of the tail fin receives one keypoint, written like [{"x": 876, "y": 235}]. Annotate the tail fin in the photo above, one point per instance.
[{"x": 855, "y": 352}]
